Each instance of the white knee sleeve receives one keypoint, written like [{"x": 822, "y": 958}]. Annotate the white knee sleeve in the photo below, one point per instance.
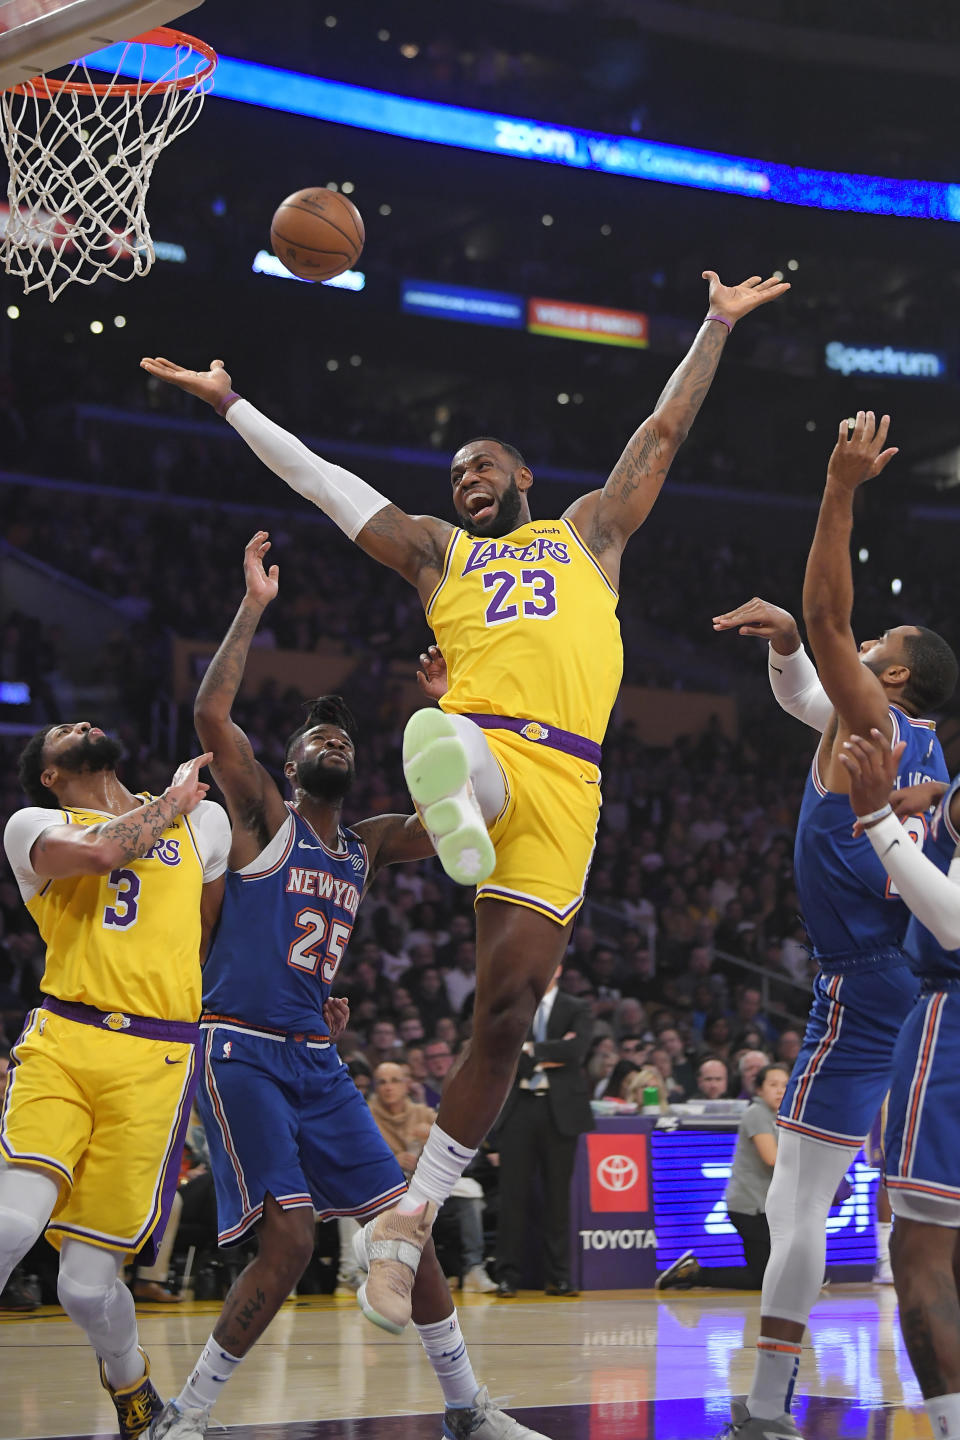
[
  {"x": 805, "y": 1180},
  {"x": 27, "y": 1198},
  {"x": 485, "y": 773},
  {"x": 87, "y": 1283}
]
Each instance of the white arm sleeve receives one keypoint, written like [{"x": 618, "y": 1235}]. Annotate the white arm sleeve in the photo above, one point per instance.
[
  {"x": 349, "y": 501},
  {"x": 933, "y": 897},
  {"x": 797, "y": 689}
]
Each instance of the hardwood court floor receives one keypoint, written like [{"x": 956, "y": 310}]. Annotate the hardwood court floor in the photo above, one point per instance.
[{"x": 622, "y": 1365}]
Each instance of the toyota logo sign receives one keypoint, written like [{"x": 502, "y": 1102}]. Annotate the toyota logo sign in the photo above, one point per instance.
[{"x": 617, "y": 1172}]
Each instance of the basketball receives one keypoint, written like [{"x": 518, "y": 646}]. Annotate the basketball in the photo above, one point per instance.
[{"x": 317, "y": 233}]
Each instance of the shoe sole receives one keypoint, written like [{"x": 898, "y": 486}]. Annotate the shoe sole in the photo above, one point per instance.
[
  {"x": 374, "y": 1316},
  {"x": 437, "y": 773}
]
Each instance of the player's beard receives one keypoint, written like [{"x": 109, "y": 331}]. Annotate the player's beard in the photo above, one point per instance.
[
  {"x": 329, "y": 783},
  {"x": 505, "y": 520},
  {"x": 90, "y": 755}
]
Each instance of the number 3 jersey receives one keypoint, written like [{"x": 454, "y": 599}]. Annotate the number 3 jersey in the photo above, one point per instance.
[
  {"x": 528, "y": 626},
  {"x": 285, "y": 923},
  {"x": 129, "y": 940}
]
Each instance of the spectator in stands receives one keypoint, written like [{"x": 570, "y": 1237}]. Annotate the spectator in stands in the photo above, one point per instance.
[
  {"x": 748, "y": 1011},
  {"x": 384, "y": 1044},
  {"x": 634, "y": 1048},
  {"x": 717, "y": 1037},
  {"x": 437, "y": 1058},
  {"x": 681, "y": 1065},
  {"x": 749, "y": 1064},
  {"x": 410, "y": 1027},
  {"x": 601, "y": 1058},
  {"x": 461, "y": 981},
  {"x": 788, "y": 1046},
  {"x": 661, "y": 1061},
  {"x": 430, "y": 998},
  {"x": 713, "y": 1078}
]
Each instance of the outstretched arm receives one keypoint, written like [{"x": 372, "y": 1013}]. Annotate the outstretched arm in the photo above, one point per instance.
[
  {"x": 393, "y": 840},
  {"x": 253, "y": 799},
  {"x": 608, "y": 517},
  {"x": 414, "y": 545},
  {"x": 932, "y": 896},
  {"x": 855, "y": 691},
  {"x": 793, "y": 677}
]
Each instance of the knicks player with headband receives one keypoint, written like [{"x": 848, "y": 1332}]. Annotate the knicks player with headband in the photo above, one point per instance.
[
  {"x": 290, "y": 1135},
  {"x": 124, "y": 890},
  {"x": 922, "y": 1156},
  {"x": 506, "y": 775},
  {"x": 854, "y": 916}
]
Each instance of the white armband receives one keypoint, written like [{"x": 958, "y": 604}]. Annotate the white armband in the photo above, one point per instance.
[
  {"x": 797, "y": 689},
  {"x": 932, "y": 897},
  {"x": 349, "y": 501}
]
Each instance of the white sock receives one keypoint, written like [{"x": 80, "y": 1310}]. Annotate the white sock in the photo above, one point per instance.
[
  {"x": 212, "y": 1372},
  {"x": 442, "y": 1162},
  {"x": 883, "y": 1241},
  {"x": 771, "y": 1393},
  {"x": 447, "y": 1352},
  {"x": 944, "y": 1412}
]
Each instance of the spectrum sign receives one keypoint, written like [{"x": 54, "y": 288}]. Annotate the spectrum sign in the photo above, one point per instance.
[
  {"x": 885, "y": 360},
  {"x": 572, "y": 321},
  {"x": 460, "y": 302}
]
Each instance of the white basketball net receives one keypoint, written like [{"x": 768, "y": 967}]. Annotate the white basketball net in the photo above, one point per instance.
[{"x": 80, "y": 166}]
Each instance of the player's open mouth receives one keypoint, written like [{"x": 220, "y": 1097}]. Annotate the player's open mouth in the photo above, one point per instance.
[{"x": 480, "y": 505}]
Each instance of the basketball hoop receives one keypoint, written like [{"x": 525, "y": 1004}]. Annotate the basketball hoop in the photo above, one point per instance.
[{"x": 81, "y": 154}]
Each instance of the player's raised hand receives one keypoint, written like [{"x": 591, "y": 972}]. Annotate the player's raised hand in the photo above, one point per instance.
[
  {"x": 212, "y": 385},
  {"x": 262, "y": 584},
  {"x": 760, "y": 617},
  {"x": 859, "y": 453},
  {"x": 872, "y": 767},
  {"x": 735, "y": 301},
  {"x": 336, "y": 1013},
  {"x": 432, "y": 675},
  {"x": 917, "y": 799},
  {"x": 186, "y": 787}
]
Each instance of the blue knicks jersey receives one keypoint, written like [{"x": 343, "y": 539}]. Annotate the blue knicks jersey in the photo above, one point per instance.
[
  {"x": 285, "y": 924},
  {"x": 927, "y": 955},
  {"x": 848, "y": 902}
]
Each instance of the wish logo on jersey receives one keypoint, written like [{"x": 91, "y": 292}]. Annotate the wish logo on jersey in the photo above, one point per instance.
[{"x": 486, "y": 552}]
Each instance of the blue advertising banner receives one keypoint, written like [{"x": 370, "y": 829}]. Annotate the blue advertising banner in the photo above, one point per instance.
[
  {"x": 460, "y": 302},
  {"x": 413, "y": 119}
]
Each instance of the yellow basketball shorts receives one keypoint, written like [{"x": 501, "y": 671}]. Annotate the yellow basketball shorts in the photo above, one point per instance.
[
  {"x": 545, "y": 835},
  {"x": 104, "y": 1114}
]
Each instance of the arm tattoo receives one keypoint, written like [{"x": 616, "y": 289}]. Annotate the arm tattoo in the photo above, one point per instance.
[
  {"x": 139, "y": 830},
  {"x": 420, "y": 548},
  {"x": 225, "y": 671},
  {"x": 648, "y": 454}
]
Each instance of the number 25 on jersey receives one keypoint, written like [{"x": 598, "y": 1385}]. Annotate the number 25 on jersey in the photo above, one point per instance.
[{"x": 306, "y": 954}]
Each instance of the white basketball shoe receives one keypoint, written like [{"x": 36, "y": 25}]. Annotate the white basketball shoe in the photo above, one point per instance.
[{"x": 437, "y": 771}]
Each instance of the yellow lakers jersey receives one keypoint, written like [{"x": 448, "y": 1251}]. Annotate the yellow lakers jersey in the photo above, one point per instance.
[
  {"x": 528, "y": 626},
  {"x": 130, "y": 940}
]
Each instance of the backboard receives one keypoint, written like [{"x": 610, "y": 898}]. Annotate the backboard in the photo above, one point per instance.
[{"x": 37, "y": 36}]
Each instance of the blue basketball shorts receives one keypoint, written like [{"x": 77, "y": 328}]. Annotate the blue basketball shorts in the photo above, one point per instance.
[
  {"x": 284, "y": 1118},
  {"x": 923, "y": 1145},
  {"x": 845, "y": 1065}
]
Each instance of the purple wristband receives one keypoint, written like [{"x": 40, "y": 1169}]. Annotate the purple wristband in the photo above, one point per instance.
[
  {"x": 226, "y": 402},
  {"x": 721, "y": 320}
]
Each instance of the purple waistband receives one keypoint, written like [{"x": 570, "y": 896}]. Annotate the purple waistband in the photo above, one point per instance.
[
  {"x": 175, "y": 1032},
  {"x": 539, "y": 734}
]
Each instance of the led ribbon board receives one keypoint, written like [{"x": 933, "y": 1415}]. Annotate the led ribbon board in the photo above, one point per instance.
[{"x": 400, "y": 115}]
